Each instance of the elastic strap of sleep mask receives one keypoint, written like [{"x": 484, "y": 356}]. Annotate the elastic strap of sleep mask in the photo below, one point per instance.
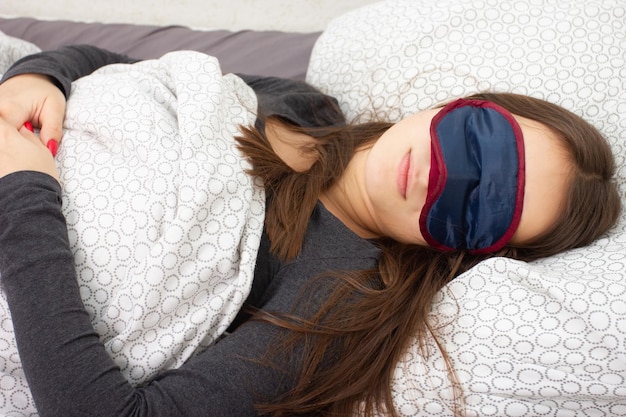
[{"x": 476, "y": 180}]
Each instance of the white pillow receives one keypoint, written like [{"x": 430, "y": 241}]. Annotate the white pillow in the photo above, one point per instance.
[
  {"x": 14, "y": 49},
  {"x": 546, "y": 338}
]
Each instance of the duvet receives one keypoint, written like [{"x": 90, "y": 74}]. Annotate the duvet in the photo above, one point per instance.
[{"x": 163, "y": 220}]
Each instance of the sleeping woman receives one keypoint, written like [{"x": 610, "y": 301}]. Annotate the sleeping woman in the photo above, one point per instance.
[{"x": 364, "y": 224}]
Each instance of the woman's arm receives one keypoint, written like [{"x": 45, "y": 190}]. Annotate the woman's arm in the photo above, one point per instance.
[
  {"x": 66, "y": 64},
  {"x": 68, "y": 370}
]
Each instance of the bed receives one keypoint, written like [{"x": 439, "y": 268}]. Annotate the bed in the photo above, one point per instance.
[{"x": 546, "y": 338}]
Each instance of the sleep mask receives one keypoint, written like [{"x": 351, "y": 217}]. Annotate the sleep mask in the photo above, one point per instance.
[{"x": 476, "y": 180}]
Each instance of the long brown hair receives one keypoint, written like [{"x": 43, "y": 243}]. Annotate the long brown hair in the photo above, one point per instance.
[{"x": 367, "y": 329}]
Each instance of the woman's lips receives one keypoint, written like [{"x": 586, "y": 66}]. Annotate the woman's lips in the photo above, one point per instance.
[{"x": 403, "y": 174}]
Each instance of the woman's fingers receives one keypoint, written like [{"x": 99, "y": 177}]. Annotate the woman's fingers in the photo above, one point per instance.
[
  {"x": 51, "y": 117},
  {"x": 21, "y": 150},
  {"x": 51, "y": 144}
]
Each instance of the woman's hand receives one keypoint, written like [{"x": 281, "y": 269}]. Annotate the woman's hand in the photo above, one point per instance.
[
  {"x": 36, "y": 99},
  {"x": 21, "y": 150}
]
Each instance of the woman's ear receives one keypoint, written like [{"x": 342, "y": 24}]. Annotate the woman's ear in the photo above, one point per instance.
[{"x": 294, "y": 148}]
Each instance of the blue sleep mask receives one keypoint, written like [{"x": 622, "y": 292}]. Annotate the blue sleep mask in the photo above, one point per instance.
[{"x": 476, "y": 180}]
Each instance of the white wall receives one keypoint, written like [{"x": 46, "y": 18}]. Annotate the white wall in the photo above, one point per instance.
[{"x": 287, "y": 15}]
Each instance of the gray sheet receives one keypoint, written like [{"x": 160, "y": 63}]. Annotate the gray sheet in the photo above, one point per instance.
[{"x": 281, "y": 54}]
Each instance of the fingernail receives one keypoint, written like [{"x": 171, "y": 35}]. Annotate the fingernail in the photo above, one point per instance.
[
  {"x": 53, "y": 145},
  {"x": 28, "y": 125}
]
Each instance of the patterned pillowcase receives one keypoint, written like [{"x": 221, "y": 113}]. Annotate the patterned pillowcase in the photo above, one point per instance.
[
  {"x": 13, "y": 49},
  {"x": 526, "y": 339}
]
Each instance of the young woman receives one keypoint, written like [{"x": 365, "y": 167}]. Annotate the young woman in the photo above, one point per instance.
[{"x": 367, "y": 222}]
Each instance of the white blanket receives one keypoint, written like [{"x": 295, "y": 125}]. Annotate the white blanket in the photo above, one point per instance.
[{"x": 163, "y": 220}]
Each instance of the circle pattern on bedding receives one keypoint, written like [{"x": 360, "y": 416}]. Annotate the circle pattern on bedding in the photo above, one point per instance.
[
  {"x": 546, "y": 338},
  {"x": 13, "y": 49},
  {"x": 164, "y": 221}
]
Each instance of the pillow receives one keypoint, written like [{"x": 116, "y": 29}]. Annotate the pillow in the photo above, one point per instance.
[
  {"x": 14, "y": 49},
  {"x": 544, "y": 338}
]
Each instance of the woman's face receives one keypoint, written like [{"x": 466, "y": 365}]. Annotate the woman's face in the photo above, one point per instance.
[{"x": 397, "y": 170}]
